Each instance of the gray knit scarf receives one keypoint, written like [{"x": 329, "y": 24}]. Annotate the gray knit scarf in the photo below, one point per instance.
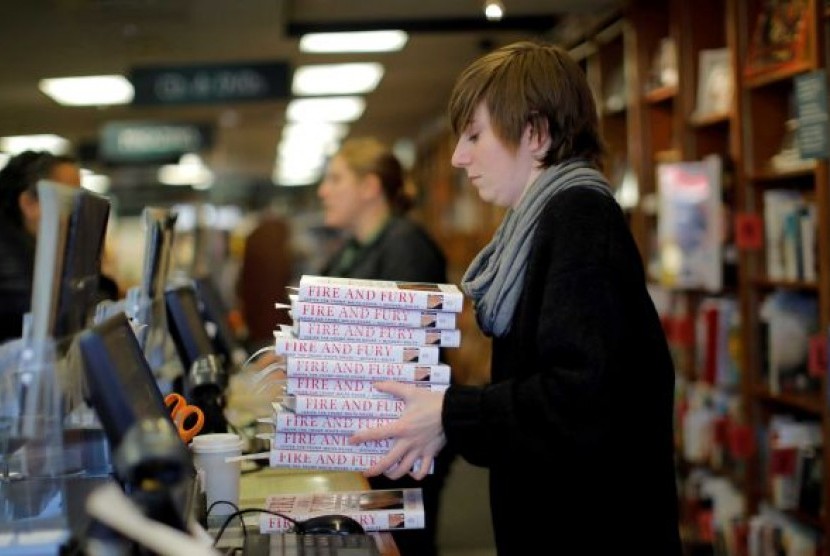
[{"x": 495, "y": 278}]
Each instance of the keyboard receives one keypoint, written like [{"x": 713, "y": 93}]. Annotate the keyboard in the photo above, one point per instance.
[{"x": 290, "y": 544}]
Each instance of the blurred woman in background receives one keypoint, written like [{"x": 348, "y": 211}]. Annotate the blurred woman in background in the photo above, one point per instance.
[{"x": 363, "y": 195}]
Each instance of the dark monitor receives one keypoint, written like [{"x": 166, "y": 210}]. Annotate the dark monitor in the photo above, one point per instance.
[
  {"x": 70, "y": 242},
  {"x": 120, "y": 383},
  {"x": 215, "y": 313},
  {"x": 186, "y": 325}
]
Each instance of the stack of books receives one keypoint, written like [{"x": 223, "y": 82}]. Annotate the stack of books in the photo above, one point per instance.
[{"x": 346, "y": 335}]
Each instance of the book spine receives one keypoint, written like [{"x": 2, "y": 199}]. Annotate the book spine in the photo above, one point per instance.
[
  {"x": 345, "y": 387},
  {"x": 344, "y": 406},
  {"x": 383, "y": 316},
  {"x": 378, "y": 296},
  {"x": 352, "y": 350},
  {"x": 367, "y": 370},
  {"x": 322, "y": 441},
  {"x": 286, "y": 421},
  {"x": 398, "y": 335},
  {"x": 326, "y": 460}
]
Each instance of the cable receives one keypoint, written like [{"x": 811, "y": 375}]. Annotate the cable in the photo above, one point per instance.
[{"x": 245, "y": 511}]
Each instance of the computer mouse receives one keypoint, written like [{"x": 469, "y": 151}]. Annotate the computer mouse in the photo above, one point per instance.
[{"x": 330, "y": 524}]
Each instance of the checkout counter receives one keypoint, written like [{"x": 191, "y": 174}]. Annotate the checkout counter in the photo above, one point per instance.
[{"x": 244, "y": 405}]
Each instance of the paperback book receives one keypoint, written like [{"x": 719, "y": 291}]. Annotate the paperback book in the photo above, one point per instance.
[
  {"x": 314, "y": 441},
  {"x": 399, "y": 335},
  {"x": 376, "y": 510},
  {"x": 345, "y": 387},
  {"x": 328, "y": 349},
  {"x": 358, "y": 314},
  {"x": 346, "y": 406},
  {"x": 367, "y": 370},
  {"x": 382, "y": 293},
  {"x": 326, "y": 460},
  {"x": 288, "y": 421}
]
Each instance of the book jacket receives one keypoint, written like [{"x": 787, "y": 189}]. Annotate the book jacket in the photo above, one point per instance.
[
  {"x": 332, "y": 349},
  {"x": 399, "y": 335},
  {"x": 381, "y": 293},
  {"x": 358, "y": 314},
  {"x": 367, "y": 370},
  {"x": 288, "y": 421},
  {"x": 376, "y": 510}
]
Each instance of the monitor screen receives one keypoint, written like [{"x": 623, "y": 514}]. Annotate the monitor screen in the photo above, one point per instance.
[
  {"x": 67, "y": 260},
  {"x": 120, "y": 383},
  {"x": 186, "y": 325},
  {"x": 214, "y": 311}
]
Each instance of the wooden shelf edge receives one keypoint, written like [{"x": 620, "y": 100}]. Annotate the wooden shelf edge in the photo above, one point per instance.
[
  {"x": 775, "y": 175},
  {"x": 706, "y": 120},
  {"x": 809, "y": 403},
  {"x": 777, "y": 75},
  {"x": 797, "y": 285},
  {"x": 660, "y": 94}
]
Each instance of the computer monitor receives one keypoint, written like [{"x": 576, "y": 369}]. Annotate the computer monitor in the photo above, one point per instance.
[
  {"x": 186, "y": 325},
  {"x": 70, "y": 242},
  {"x": 215, "y": 315},
  {"x": 120, "y": 384}
]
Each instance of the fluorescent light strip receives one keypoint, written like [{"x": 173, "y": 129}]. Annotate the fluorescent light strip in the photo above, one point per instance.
[
  {"x": 359, "y": 41},
  {"x": 328, "y": 109},
  {"x": 92, "y": 90},
  {"x": 336, "y": 79},
  {"x": 15, "y": 144}
]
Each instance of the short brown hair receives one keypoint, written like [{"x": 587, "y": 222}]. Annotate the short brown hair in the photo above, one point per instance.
[
  {"x": 367, "y": 155},
  {"x": 536, "y": 83}
]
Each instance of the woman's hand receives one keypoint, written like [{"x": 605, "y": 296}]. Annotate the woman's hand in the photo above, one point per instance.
[{"x": 418, "y": 433}]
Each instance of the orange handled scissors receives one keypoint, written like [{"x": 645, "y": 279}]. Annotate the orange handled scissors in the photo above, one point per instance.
[{"x": 180, "y": 411}]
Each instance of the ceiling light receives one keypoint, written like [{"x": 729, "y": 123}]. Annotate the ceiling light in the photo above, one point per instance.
[
  {"x": 97, "y": 183},
  {"x": 328, "y": 109},
  {"x": 325, "y": 132},
  {"x": 15, "y": 144},
  {"x": 359, "y": 41},
  {"x": 189, "y": 171},
  {"x": 93, "y": 90},
  {"x": 493, "y": 10},
  {"x": 336, "y": 79}
]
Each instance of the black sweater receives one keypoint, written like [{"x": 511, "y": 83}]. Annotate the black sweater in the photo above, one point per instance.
[{"x": 578, "y": 417}]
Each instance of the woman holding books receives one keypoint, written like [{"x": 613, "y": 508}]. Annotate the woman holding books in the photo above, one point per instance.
[
  {"x": 578, "y": 417},
  {"x": 363, "y": 195}
]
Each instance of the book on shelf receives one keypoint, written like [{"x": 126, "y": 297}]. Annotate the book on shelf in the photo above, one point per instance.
[
  {"x": 381, "y": 293},
  {"x": 321, "y": 441},
  {"x": 715, "y": 89},
  {"x": 367, "y": 370},
  {"x": 290, "y": 346},
  {"x": 788, "y": 320},
  {"x": 288, "y": 421},
  {"x": 326, "y": 460},
  {"x": 359, "y": 314},
  {"x": 690, "y": 224},
  {"x": 399, "y": 335},
  {"x": 313, "y": 386},
  {"x": 780, "y": 39},
  {"x": 346, "y": 406},
  {"x": 376, "y": 510}
]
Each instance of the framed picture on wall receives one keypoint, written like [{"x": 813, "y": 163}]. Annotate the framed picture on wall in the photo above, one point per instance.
[
  {"x": 780, "y": 39},
  {"x": 715, "y": 83}
]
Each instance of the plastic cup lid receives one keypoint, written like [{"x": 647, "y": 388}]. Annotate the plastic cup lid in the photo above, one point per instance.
[{"x": 216, "y": 443}]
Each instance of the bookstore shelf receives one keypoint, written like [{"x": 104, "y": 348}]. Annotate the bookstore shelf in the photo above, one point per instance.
[
  {"x": 766, "y": 284},
  {"x": 778, "y": 76},
  {"x": 661, "y": 94},
  {"x": 808, "y": 403},
  {"x": 707, "y": 120}
]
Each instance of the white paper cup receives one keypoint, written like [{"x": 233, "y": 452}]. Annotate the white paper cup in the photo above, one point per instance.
[{"x": 219, "y": 479}]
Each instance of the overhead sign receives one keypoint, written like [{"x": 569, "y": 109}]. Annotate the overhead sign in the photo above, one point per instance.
[
  {"x": 151, "y": 141},
  {"x": 211, "y": 83}
]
